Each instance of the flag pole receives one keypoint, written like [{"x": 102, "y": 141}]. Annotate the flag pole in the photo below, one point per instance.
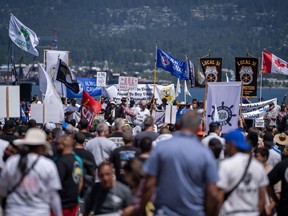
[
  {"x": 205, "y": 108},
  {"x": 184, "y": 91},
  {"x": 7, "y": 103},
  {"x": 261, "y": 79},
  {"x": 155, "y": 69}
]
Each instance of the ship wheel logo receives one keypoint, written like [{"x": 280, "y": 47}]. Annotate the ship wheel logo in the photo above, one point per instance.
[
  {"x": 225, "y": 114},
  {"x": 211, "y": 74},
  {"x": 246, "y": 75}
]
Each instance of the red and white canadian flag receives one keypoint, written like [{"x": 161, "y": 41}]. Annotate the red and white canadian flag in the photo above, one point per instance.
[
  {"x": 90, "y": 107},
  {"x": 273, "y": 64}
]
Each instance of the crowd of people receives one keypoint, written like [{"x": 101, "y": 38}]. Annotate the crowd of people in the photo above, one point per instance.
[{"x": 125, "y": 164}]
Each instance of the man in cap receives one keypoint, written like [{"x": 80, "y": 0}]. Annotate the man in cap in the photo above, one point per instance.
[
  {"x": 112, "y": 112},
  {"x": 249, "y": 195},
  {"x": 192, "y": 190},
  {"x": 123, "y": 108},
  {"x": 29, "y": 180}
]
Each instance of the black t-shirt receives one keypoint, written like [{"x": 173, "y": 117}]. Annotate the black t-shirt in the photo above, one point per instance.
[
  {"x": 151, "y": 134},
  {"x": 104, "y": 201},
  {"x": 70, "y": 169},
  {"x": 119, "y": 158},
  {"x": 280, "y": 173}
]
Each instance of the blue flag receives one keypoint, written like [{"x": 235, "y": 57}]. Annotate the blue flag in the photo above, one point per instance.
[
  {"x": 87, "y": 84},
  {"x": 176, "y": 67}
]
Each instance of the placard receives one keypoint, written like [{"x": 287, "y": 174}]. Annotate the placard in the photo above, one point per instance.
[
  {"x": 10, "y": 101},
  {"x": 170, "y": 114},
  {"x": 101, "y": 79},
  {"x": 259, "y": 123},
  {"x": 127, "y": 83},
  {"x": 43, "y": 113}
]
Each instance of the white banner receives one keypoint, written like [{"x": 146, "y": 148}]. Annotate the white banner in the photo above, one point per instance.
[
  {"x": 44, "y": 113},
  {"x": 144, "y": 92},
  {"x": 127, "y": 83},
  {"x": 256, "y": 113},
  {"x": 255, "y": 106},
  {"x": 10, "y": 101},
  {"x": 170, "y": 114},
  {"x": 51, "y": 67},
  {"x": 226, "y": 96}
]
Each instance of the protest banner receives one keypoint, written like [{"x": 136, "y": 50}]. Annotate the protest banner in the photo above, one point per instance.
[
  {"x": 170, "y": 114},
  {"x": 44, "y": 113},
  {"x": 87, "y": 84},
  {"x": 127, "y": 83},
  {"x": 255, "y": 106}
]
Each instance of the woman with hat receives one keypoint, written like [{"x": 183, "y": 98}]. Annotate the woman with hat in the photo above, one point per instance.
[{"x": 30, "y": 181}]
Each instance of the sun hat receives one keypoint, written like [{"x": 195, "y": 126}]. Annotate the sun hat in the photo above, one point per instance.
[
  {"x": 34, "y": 137},
  {"x": 281, "y": 139},
  {"x": 238, "y": 138}
]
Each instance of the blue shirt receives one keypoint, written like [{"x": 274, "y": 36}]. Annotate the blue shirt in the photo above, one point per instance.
[{"x": 183, "y": 167}]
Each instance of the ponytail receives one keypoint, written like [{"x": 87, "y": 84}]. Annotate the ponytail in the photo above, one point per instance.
[{"x": 22, "y": 164}]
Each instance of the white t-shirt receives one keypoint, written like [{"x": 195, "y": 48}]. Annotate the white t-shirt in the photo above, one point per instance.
[
  {"x": 212, "y": 135},
  {"x": 244, "y": 199},
  {"x": 71, "y": 108},
  {"x": 274, "y": 156},
  {"x": 141, "y": 114},
  {"x": 30, "y": 197}
]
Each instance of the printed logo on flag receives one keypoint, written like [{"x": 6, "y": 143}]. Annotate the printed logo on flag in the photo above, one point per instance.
[
  {"x": 211, "y": 74},
  {"x": 225, "y": 114},
  {"x": 164, "y": 60},
  {"x": 168, "y": 94}
]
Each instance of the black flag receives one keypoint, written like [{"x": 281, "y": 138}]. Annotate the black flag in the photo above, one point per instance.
[
  {"x": 212, "y": 68},
  {"x": 191, "y": 72},
  {"x": 14, "y": 75},
  {"x": 65, "y": 76}
]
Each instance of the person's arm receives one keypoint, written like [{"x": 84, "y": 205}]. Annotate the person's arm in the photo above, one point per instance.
[
  {"x": 211, "y": 200},
  {"x": 55, "y": 203},
  {"x": 261, "y": 204},
  {"x": 148, "y": 190}
]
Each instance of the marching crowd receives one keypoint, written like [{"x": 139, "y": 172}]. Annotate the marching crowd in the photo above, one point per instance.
[{"x": 125, "y": 164}]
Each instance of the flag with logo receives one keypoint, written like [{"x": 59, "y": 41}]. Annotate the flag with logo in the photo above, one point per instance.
[
  {"x": 191, "y": 72},
  {"x": 224, "y": 98},
  {"x": 22, "y": 36},
  {"x": 51, "y": 95},
  {"x": 177, "y": 68},
  {"x": 65, "y": 75},
  {"x": 212, "y": 68},
  {"x": 90, "y": 107},
  {"x": 247, "y": 71},
  {"x": 273, "y": 64}
]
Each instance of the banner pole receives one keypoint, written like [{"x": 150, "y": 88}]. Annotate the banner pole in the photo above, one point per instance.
[
  {"x": 7, "y": 103},
  {"x": 44, "y": 60},
  {"x": 155, "y": 70},
  {"x": 261, "y": 78},
  {"x": 241, "y": 99},
  {"x": 205, "y": 108}
]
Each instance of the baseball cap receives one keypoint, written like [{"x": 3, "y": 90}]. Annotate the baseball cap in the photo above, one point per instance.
[{"x": 238, "y": 138}]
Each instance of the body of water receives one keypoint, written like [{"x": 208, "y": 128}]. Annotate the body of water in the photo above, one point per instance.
[{"x": 198, "y": 93}]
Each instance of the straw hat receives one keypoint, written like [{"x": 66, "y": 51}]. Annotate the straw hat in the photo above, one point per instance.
[
  {"x": 34, "y": 137},
  {"x": 281, "y": 139}
]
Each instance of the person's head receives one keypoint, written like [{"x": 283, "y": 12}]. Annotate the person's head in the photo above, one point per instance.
[
  {"x": 236, "y": 142},
  {"x": 64, "y": 100},
  {"x": 112, "y": 104},
  {"x": 119, "y": 124},
  {"x": 35, "y": 98},
  {"x": 165, "y": 130},
  {"x": 9, "y": 126},
  {"x": 190, "y": 121},
  {"x": 73, "y": 122},
  {"x": 268, "y": 139},
  {"x": 56, "y": 133},
  {"x": 32, "y": 123},
  {"x": 133, "y": 172},
  {"x": 49, "y": 127},
  {"x": 146, "y": 144},
  {"x": 283, "y": 107},
  {"x": 65, "y": 145},
  {"x": 83, "y": 124},
  {"x": 123, "y": 100},
  {"x": 252, "y": 137},
  {"x": 164, "y": 101},
  {"x": 194, "y": 104},
  {"x": 127, "y": 135},
  {"x": 216, "y": 146},
  {"x": 102, "y": 99},
  {"x": 132, "y": 102},
  {"x": 102, "y": 129},
  {"x": 148, "y": 122},
  {"x": 215, "y": 127},
  {"x": 79, "y": 138},
  {"x": 261, "y": 154},
  {"x": 22, "y": 131},
  {"x": 142, "y": 104},
  {"x": 106, "y": 175},
  {"x": 73, "y": 101}
]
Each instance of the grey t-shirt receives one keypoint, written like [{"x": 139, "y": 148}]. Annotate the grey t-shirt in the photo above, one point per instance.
[
  {"x": 141, "y": 135},
  {"x": 104, "y": 201}
]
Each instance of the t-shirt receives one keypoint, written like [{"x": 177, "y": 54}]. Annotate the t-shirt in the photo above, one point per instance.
[
  {"x": 245, "y": 198},
  {"x": 280, "y": 173},
  {"x": 117, "y": 138},
  {"x": 119, "y": 158},
  {"x": 141, "y": 114},
  {"x": 183, "y": 167},
  {"x": 101, "y": 148},
  {"x": 212, "y": 135},
  {"x": 104, "y": 201},
  {"x": 69, "y": 109},
  {"x": 274, "y": 156},
  {"x": 30, "y": 197},
  {"x": 141, "y": 135},
  {"x": 70, "y": 169}
]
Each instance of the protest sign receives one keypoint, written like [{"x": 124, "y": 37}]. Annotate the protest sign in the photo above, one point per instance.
[
  {"x": 128, "y": 83},
  {"x": 10, "y": 101},
  {"x": 101, "y": 79},
  {"x": 87, "y": 84}
]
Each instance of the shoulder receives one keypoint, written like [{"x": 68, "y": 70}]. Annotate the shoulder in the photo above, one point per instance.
[{"x": 120, "y": 186}]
